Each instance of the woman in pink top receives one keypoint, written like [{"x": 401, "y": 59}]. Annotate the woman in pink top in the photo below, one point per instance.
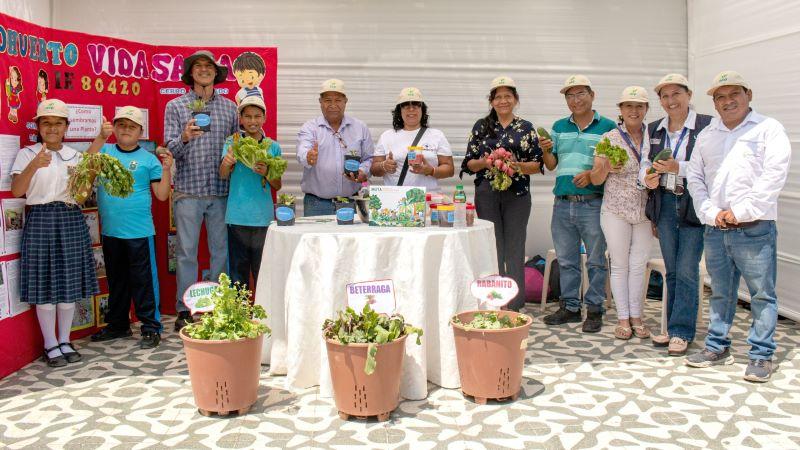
[{"x": 622, "y": 217}]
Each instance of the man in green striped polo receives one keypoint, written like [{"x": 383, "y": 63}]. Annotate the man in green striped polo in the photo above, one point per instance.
[{"x": 576, "y": 214}]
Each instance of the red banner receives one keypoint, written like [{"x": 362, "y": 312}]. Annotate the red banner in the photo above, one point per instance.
[{"x": 95, "y": 75}]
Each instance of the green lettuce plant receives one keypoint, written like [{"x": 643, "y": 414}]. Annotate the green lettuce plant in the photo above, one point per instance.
[
  {"x": 233, "y": 316},
  {"x": 491, "y": 321},
  {"x": 368, "y": 327}
]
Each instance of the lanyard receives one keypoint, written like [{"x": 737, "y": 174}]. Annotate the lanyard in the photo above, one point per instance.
[
  {"x": 630, "y": 143},
  {"x": 680, "y": 141}
]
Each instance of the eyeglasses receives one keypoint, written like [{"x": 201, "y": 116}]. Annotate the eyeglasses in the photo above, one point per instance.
[
  {"x": 339, "y": 137},
  {"x": 411, "y": 105},
  {"x": 576, "y": 96}
]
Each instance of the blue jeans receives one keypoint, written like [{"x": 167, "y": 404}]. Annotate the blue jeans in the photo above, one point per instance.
[
  {"x": 751, "y": 253},
  {"x": 572, "y": 223},
  {"x": 681, "y": 247},
  {"x": 190, "y": 212},
  {"x": 315, "y": 206}
]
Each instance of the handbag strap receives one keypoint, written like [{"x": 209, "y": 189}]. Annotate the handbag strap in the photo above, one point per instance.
[{"x": 404, "y": 171}]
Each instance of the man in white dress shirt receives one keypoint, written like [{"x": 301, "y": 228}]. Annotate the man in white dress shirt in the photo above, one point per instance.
[{"x": 735, "y": 175}]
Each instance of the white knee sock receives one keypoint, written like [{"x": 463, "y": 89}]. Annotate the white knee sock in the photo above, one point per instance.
[
  {"x": 65, "y": 313},
  {"x": 46, "y": 314}
]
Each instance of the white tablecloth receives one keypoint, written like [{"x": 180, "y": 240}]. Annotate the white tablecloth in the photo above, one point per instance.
[{"x": 302, "y": 282}]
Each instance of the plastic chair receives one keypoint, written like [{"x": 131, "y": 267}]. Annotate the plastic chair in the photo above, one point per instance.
[
  {"x": 548, "y": 262},
  {"x": 658, "y": 265}
]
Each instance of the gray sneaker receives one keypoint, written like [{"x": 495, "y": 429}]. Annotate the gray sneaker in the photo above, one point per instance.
[
  {"x": 707, "y": 358},
  {"x": 758, "y": 370}
]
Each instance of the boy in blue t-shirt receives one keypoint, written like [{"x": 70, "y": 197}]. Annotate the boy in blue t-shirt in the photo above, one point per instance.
[
  {"x": 128, "y": 231},
  {"x": 250, "y": 208}
]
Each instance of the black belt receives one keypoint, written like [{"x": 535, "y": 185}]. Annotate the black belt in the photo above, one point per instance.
[
  {"x": 579, "y": 198},
  {"x": 739, "y": 225},
  {"x": 327, "y": 199}
]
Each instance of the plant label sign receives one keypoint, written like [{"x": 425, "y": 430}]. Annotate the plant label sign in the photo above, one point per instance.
[
  {"x": 379, "y": 294},
  {"x": 198, "y": 297},
  {"x": 494, "y": 290}
]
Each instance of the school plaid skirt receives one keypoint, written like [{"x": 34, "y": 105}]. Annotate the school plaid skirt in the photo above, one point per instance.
[{"x": 57, "y": 262}]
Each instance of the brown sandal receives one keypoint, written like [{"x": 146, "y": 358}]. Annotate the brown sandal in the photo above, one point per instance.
[
  {"x": 640, "y": 331},
  {"x": 623, "y": 333}
]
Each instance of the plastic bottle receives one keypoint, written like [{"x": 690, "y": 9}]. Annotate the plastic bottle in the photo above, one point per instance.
[
  {"x": 460, "y": 203},
  {"x": 470, "y": 214}
]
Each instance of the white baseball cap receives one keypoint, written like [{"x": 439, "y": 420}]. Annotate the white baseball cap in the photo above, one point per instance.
[
  {"x": 409, "y": 94},
  {"x": 502, "y": 81},
  {"x": 131, "y": 113},
  {"x": 575, "y": 80},
  {"x": 52, "y": 107},
  {"x": 672, "y": 78},
  {"x": 727, "y": 78},
  {"x": 252, "y": 100},
  {"x": 333, "y": 85},
  {"x": 636, "y": 94}
]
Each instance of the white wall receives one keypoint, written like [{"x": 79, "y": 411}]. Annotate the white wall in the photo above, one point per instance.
[
  {"x": 36, "y": 11},
  {"x": 761, "y": 40},
  {"x": 450, "y": 50}
]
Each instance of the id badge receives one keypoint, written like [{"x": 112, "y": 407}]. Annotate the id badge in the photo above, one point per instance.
[{"x": 671, "y": 180}]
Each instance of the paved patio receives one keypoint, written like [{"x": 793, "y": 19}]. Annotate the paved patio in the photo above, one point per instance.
[{"x": 580, "y": 391}]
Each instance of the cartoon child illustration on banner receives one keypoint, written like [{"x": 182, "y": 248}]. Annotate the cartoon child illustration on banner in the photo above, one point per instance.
[
  {"x": 13, "y": 89},
  {"x": 42, "y": 87},
  {"x": 249, "y": 70}
]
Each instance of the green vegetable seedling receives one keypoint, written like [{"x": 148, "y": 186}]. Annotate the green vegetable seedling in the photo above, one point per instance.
[{"x": 368, "y": 327}]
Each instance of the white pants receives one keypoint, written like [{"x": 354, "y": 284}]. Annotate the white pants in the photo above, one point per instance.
[{"x": 628, "y": 250}]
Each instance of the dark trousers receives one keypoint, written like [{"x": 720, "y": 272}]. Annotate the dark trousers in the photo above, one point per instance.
[
  {"x": 245, "y": 246},
  {"x": 131, "y": 272},
  {"x": 510, "y": 214}
]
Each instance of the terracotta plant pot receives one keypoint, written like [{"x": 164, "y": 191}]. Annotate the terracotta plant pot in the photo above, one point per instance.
[
  {"x": 224, "y": 374},
  {"x": 490, "y": 361},
  {"x": 359, "y": 394}
]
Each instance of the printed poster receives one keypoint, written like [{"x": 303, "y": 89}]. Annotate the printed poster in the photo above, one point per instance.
[
  {"x": 100, "y": 309},
  {"x": 5, "y": 306},
  {"x": 13, "y": 221},
  {"x": 84, "y": 315},
  {"x": 9, "y": 147},
  {"x": 99, "y": 262},
  {"x": 11, "y": 278},
  {"x": 93, "y": 222}
]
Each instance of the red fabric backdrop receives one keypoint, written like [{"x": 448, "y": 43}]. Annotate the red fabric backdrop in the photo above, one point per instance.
[{"x": 83, "y": 69}]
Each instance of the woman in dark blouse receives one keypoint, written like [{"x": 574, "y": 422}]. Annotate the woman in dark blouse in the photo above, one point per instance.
[{"x": 508, "y": 209}]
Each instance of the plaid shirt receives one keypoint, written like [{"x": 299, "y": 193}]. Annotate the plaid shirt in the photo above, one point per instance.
[{"x": 197, "y": 162}]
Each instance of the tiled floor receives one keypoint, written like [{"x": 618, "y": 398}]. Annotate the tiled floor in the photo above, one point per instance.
[{"x": 580, "y": 391}]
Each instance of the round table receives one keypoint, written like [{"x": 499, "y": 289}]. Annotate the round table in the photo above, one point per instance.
[{"x": 306, "y": 267}]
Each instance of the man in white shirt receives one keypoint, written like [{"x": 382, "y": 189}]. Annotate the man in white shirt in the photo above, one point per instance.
[{"x": 735, "y": 175}]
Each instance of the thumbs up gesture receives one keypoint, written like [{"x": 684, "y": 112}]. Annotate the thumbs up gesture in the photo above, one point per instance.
[
  {"x": 106, "y": 128},
  {"x": 312, "y": 155},
  {"x": 390, "y": 165}
]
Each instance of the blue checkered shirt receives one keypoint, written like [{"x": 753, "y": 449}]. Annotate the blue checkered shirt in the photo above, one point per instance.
[{"x": 197, "y": 162}]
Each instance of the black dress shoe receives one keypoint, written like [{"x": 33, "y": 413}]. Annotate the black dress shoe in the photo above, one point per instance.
[
  {"x": 149, "y": 340},
  {"x": 593, "y": 322},
  {"x": 562, "y": 316},
  {"x": 72, "y": 356},
  {"x": 184, "y": 318},
  {"x": 55, "y": 361},
  {"x": 107, "y": 334}
]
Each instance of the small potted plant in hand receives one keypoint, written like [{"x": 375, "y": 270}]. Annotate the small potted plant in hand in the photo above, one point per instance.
[
  {"x": 284, "y": 212},
  {"x": 351, "y": 163},
  {"x": 345, "y": 210},
  {"x": 365, "y": 356},
  {"x": 223, "y": 350},
  {"x": 201, "y": 116}
]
